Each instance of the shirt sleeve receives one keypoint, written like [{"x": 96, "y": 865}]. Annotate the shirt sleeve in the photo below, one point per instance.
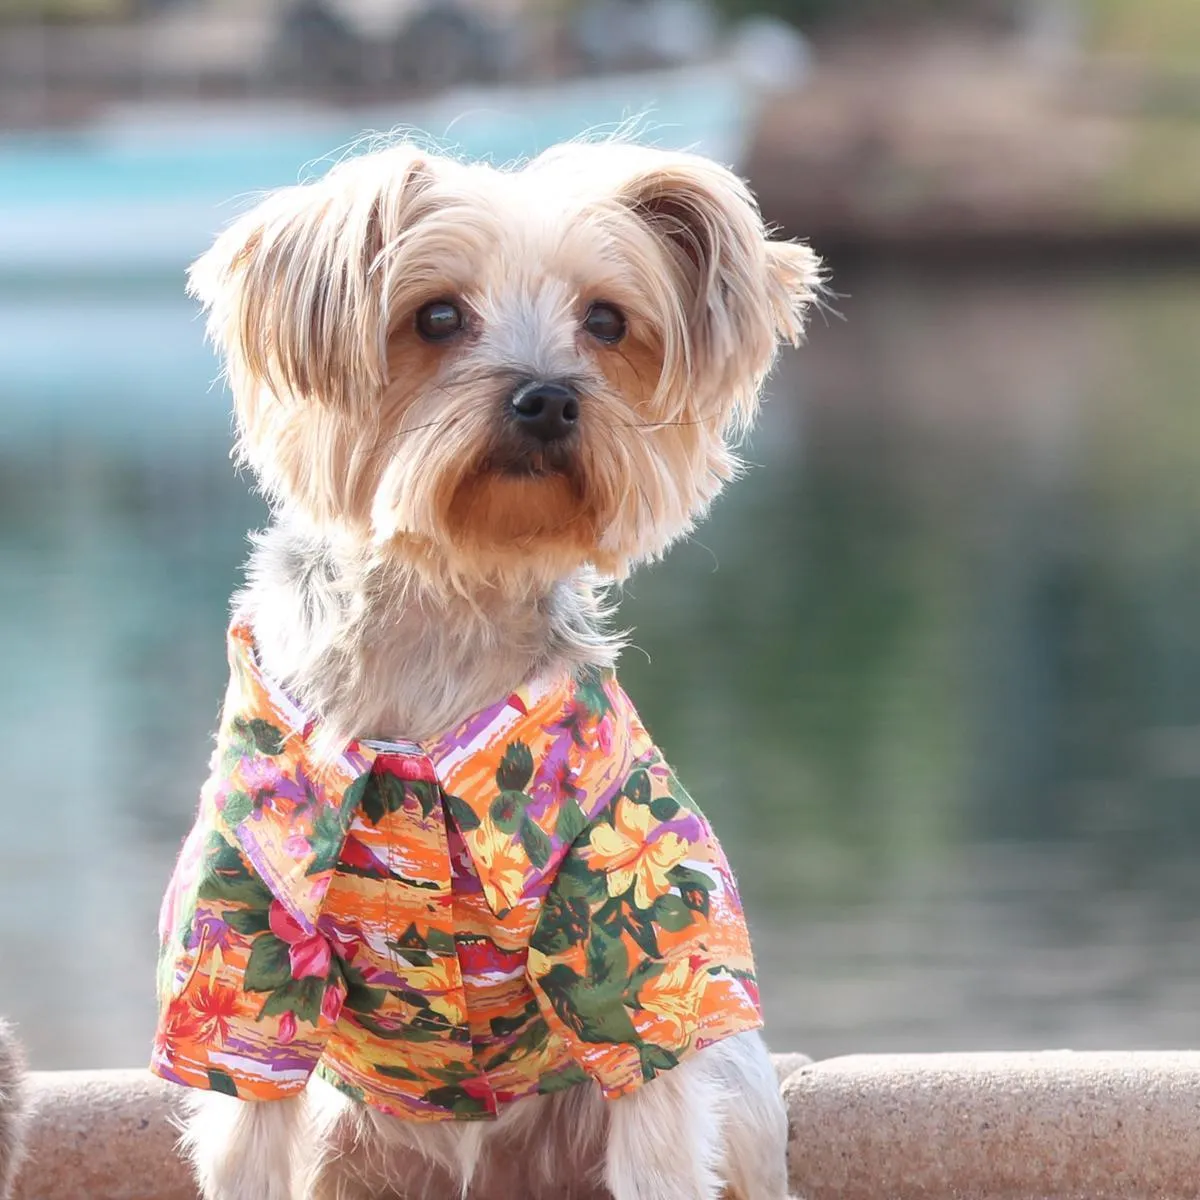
[
  {"x": 247, "y": 996},
  {"x": 641, "y": 955}
]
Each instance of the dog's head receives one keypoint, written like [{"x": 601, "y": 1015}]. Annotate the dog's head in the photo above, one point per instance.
[{"x": 542, "y": 366}]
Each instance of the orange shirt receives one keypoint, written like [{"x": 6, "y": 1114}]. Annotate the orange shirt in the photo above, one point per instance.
[{"x": 526, "y": 903}]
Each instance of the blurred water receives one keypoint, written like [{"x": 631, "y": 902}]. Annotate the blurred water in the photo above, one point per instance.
[{"x": 934, "y": 668}]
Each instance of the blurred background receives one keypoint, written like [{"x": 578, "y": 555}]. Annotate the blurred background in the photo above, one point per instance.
[{"x": 934, "y": 667}]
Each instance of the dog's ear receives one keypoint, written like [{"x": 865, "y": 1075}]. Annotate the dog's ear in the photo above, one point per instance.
[
  {"x": 293, "y": 288},
  {"x": 741, "y": 292}
]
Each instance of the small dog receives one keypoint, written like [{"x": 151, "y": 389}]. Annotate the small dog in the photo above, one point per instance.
[
  {"x": 447, "y": 924},
  {"x": 12, "y": 1108}
]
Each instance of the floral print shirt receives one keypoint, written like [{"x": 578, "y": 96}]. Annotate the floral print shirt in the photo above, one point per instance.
[{"x": 528, "y": 902}]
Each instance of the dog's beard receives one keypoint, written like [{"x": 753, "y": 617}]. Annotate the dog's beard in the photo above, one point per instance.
[{"x": 472, "y": 488}]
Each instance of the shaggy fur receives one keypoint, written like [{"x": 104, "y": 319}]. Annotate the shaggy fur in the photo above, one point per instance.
[
  {"x": 426, "y": 557},
  {"x": 12, "y": 1108}
]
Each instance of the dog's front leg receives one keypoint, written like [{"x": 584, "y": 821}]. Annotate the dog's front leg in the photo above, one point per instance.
[
  {"x": 665, "y": 1141},
  {"x": 244, "y": 1150}
]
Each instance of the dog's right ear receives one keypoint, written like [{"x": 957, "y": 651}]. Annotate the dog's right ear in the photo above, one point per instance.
[{"x": 293, "y": 287}]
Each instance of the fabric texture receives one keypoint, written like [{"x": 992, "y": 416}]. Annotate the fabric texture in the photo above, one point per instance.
[{"x": 528, "y": 902}]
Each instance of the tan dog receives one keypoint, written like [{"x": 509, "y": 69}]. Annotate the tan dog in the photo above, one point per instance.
[
  {"x": 12, "y": 1108},
  {"x": 473, "y": 396}
]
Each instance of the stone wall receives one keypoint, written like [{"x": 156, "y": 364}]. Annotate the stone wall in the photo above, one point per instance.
[{"x": 918, "y": 1127}]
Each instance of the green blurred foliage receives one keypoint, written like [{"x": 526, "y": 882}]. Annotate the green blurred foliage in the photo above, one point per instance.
[{"x": 1162, "y": 31}]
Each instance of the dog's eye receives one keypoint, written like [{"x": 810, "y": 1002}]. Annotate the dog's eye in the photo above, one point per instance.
[
  {"x": 439, "y": 320},
  {"x": 605, "y": 323}
]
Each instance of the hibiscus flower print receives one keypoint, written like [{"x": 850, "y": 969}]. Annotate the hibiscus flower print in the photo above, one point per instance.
[
  {"x": 495, "y": 852},
  {"x": 625, "y": 853},
  {"x": 213, "y": 1011},
  {"x": 308, "y": 953},
  {"x": 674, "y": 997}
]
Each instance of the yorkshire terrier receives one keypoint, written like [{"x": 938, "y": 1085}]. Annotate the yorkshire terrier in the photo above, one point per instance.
[
  {"x": 12, "y": 1108},
  {"x": 447, "y": 924}
]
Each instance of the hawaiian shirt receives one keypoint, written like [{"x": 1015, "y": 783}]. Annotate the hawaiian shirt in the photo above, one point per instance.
[{"x": 526, "y": 903}]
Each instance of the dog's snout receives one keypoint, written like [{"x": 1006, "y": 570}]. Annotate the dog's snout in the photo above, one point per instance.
[{"x": 546, "y": 411}]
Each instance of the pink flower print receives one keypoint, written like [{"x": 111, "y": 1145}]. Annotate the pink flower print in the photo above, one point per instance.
[
  {"x": 259, "y": 774},
  {"x": 287, "y": 1029},
  {"x": 297, "y": 845},
  {"x": 331, "y": 1005},
  {"x": 604, "y": 734},
  {"x": 308, "y": 953}
]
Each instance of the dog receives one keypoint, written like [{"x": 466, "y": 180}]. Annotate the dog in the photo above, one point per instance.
[
  {"x": 447, "y": 923},
  {"x": 12, "y": 1108}
]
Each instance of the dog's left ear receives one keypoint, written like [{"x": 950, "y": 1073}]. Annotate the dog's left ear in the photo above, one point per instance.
[{"x": 742, "y": 292}]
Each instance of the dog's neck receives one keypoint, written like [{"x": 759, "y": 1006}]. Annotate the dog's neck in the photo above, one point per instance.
[{"x": 375, "y": 646}]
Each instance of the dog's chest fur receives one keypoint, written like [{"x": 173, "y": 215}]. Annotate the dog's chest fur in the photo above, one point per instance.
[{"x": 373, "y": 651}]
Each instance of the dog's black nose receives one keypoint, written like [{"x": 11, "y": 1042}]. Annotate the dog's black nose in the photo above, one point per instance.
[{"x": 546, "y": 411}]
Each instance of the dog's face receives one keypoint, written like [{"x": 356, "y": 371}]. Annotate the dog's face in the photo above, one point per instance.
[{"x": 489, "y": 367}]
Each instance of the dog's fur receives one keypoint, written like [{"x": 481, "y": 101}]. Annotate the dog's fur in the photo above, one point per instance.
[
  {"x": 12, "y": 1108},
  {"x": 425, "y": 559}
]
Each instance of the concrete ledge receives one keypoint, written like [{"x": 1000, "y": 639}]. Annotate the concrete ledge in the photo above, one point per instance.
[
  {"x": 102, "y": 1135},
  {"x": 1055, "y": 1126}
]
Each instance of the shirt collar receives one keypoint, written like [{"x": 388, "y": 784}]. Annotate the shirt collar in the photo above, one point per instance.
[{"x": 522, "y": 778}]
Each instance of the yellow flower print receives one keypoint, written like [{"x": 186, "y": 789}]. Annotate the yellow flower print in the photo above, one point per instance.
[
  {"x": 494, "y": 852},
  {"x": 675, "y": 997},
  {"x": 626, "y": 855}
]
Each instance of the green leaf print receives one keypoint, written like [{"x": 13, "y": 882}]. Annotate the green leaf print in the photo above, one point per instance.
[
  {"x": 536, "y": 843},
  {"x": 576, "y": 878},
  {"x": 516, "y": 768},
  {"x": 300, "y": 996},
  {"x": 226, "y": 877},
  {"x": 590, "y": 693},
  {"x": 425, "y": 794},
  {"x": 269, "y": 967},
  {"x": 222, "y": 1082},
  {"x": 248, "y": 921},
  {"x": 461, "y": 813},
  {"x": 571, "y": 822},
  {"x": 640, "y": 924},
  {"x": 689, "y": 877},
  {"x": 390, "y": 1072},
  {"x": 454, "y": 1071},
  {"x": 693, "y": 886},
  {"x": 656, "y": 1059},
  {"x": 530, "y": 1040},
  {"x": 381, "y": 794},
  {"x": 327, "y": 840},
  {"x": 508, "y": 810},
  {"x": 607, "y": 958},
  {"x": 264, "y": 736},
  {"x": 440, "y": 942},
  {"x": 459, "y": 1102},
  {"x": 569, "y": 1077},
  {"x": 672, "y": 914},
  {"x": 503, "y": 1027},
  {"x": 637, "y": 787},
  {"x": 360, "y": 996},
  {"x": 595, "y": 1013},
  {"x": 238, "y": 806},
  {"x": 664, "y": 808},
  {"x": 564, "y": 922}
]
